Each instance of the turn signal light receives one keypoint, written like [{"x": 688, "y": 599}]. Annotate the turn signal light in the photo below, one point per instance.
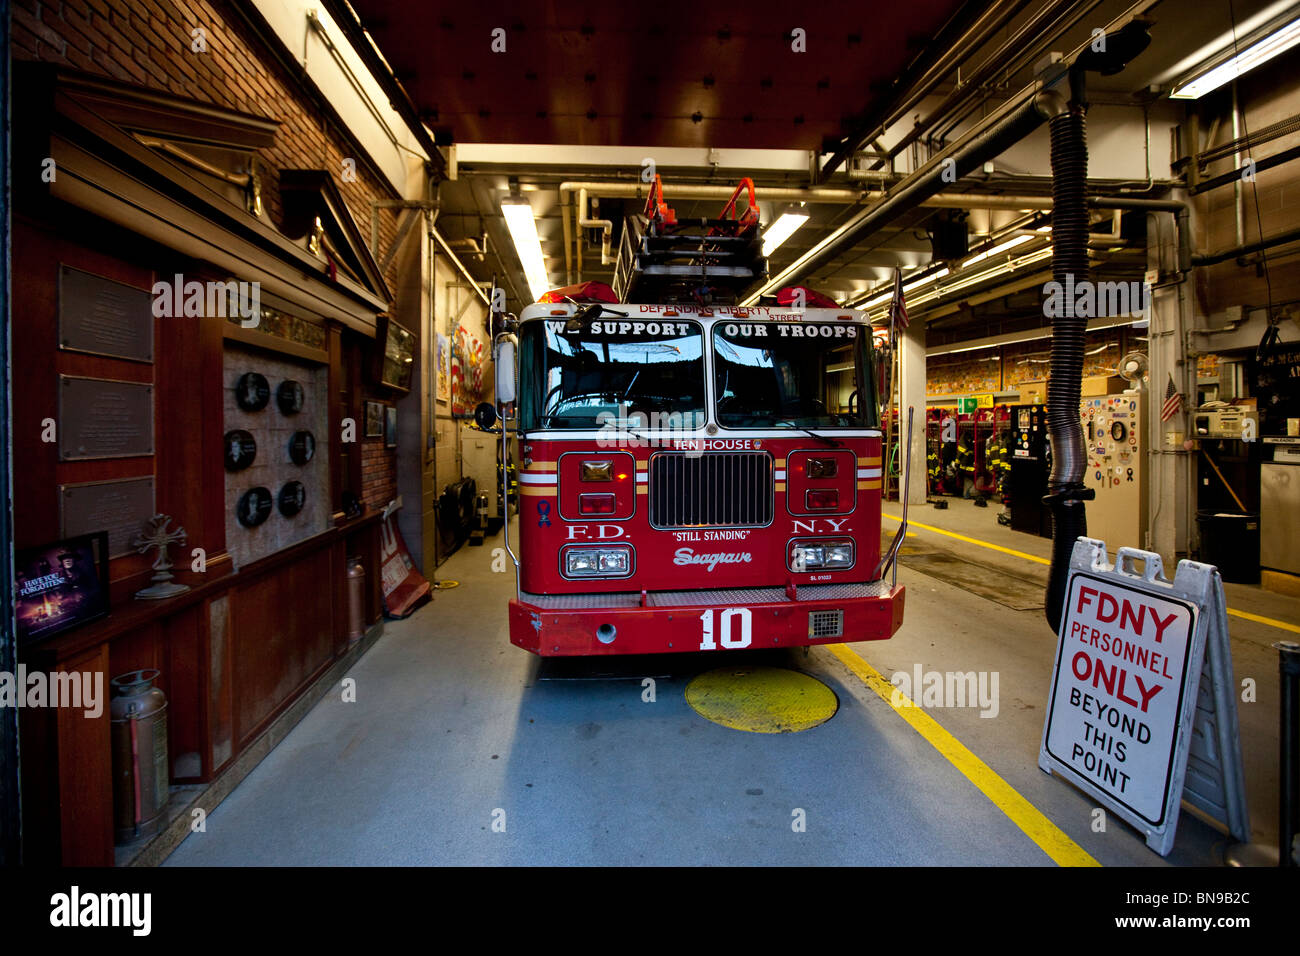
[
  {"x": 597, "y": 471},
  {"x": 596, "y": 504},
  {"x": 822, "y": 499},
  {"x": 823, "y": 467}
]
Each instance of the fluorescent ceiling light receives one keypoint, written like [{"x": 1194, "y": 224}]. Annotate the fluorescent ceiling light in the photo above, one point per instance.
[
  {"x": 922, "y": 279},
  {"x": 1257, "y": 53},
  {"x": 523, "y": 230},
  {"x": 781, "y": 230},
  {"x": 1000, "y": 247}
]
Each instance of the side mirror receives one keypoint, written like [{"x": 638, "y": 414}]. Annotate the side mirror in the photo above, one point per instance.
[
  {"x": 505, "y": 360},
  {"x": 485, "y": 416}
]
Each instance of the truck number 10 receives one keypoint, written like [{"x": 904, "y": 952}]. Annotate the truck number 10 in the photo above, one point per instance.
[{"x": 727, "y": 621}]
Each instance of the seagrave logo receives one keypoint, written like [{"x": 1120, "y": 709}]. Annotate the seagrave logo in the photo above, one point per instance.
[
  {"x": 938, "y": 689},
  {"x": 74, "y": 909},
  {"x": 194, "y": 299},
  {"x": 687, "y": 556},
  {"x": 74, "y": 690},
  {"x": 1094, "y": 300}
]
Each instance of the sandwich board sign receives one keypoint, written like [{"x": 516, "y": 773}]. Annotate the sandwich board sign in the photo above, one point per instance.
[{"x": 1142, "y": 711}]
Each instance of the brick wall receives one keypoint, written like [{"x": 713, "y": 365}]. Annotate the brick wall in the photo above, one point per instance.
[
  {"x": 149, "y": 43},
  {"x": 378, "y": 473}
]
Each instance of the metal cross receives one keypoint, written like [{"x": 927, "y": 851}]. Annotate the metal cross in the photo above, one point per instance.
[{"x": 159, "y": 536}]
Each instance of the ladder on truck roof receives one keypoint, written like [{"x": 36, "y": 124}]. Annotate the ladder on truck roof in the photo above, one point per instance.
[{"x": 662, "y": 258}]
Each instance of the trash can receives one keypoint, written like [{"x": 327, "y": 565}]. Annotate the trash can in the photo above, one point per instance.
[{"x": 1230, "y": 542}]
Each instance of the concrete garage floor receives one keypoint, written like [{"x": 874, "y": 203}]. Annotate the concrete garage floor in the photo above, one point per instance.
[{"x": 453, "y": 728}]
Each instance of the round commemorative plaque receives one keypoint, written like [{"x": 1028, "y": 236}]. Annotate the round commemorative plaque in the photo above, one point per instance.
[
  {"x": 289, "y": 396},
  {"x": 301, "y": 447},
  {"x": 292, "y": 497},
  {"x": 252, "y": 392},
  {"x": 254, "y": 507},
  {"x": 240, "y": 449}
]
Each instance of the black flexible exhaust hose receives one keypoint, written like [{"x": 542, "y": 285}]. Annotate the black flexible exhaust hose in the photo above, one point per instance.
[{"x": 1066, "y": 491}]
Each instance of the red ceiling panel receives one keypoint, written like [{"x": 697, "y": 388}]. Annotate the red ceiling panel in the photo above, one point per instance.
[{"x": 668, "y": 74}]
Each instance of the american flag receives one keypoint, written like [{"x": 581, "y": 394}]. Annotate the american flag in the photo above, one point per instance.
[
  {"x": 1173, "y": 402},
  {"x": 898, "y": 308}
]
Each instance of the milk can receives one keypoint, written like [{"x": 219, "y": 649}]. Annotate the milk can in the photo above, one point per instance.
[
  {"x": 356, "y": 600},
  {"x": 138, "y": 712}
]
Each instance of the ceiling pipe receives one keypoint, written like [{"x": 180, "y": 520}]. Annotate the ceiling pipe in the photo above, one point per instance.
[
  {"x": 1015, "y": 120},
  {"x": 1045, "y": 26},
  {"x": 605, "y": 225},
  {"x": 941, "y": 57},
  {"x": 817, "y": 194}
]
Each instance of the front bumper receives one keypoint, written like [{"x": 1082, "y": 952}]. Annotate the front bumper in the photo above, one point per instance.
[{"x": 674, "y": 622}]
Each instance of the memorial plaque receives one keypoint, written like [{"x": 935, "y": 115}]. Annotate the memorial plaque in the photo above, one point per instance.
[
  {"x": 289, "y": 396},
  {"x": 292, "y": 497},
  {"x": 254, "y": 506},
  {"x": 104, "y": 317},
  {"x": 119, "y": 507},
  {"x": 101, "y": 418},
  {"x": 302, "y": 446},
  {"x": 252, "y": 393},
  {"x": 241, "y": 449}
]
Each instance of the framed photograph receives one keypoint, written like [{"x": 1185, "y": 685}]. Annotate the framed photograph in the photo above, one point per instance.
[
  {"x": 390, "y": 426},
  {"x": 374, "y": 419},
  {"x": 60, "y": 586},
  {"x": 394, "y": 355}
]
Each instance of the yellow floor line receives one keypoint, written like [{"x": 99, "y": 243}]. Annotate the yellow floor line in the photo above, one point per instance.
[
  {"x": 1049, "y": 837},
  {"x": 962, "y": 537},
  {"x": 1257, "y": 618}
]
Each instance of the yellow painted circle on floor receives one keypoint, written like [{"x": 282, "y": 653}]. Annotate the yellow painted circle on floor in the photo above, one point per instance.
[{"x": 762, "y": 700}]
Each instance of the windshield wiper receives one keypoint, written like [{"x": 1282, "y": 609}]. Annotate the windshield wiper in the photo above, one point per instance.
[{"x": 822, "y": 438}]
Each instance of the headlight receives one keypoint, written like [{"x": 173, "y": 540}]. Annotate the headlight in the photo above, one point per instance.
[
  {"x": 836, "y": 553},
  {"x": 598, "y": 562}
]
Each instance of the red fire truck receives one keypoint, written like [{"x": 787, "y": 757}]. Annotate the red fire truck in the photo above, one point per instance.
[{"x": 695, "y": 478}]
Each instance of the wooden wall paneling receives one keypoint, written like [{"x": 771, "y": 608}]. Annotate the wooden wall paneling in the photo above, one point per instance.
[
  {"x": 341, "y": 452},
  {"x": 38, "y": 740},
  {"x": 86, "y": 774},
  {"x": 353, "y": 357},
  {"x": 374, "y": 590},
  {"x": 220, "y": 711},
  {"x": 186, "y": 699},
  {"x": 187, "y": 433},
  {"x": 339, "y": 596},
  {"x": 139, "y": 648},
  {"x": 37, "y": 361},
  {"x": 283, "y": 637},
  {"x": 34, "y": 383}
]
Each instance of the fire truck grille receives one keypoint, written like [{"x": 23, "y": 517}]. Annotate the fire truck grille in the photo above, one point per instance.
[{"x": 714, "y": 490}]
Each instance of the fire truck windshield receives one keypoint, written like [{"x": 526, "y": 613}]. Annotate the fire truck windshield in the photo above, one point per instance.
[
  {"x": 792, "y": 375},
  {"x": 574, "y": 378}
]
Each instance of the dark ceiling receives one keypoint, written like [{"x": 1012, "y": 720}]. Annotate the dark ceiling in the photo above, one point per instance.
[{"x": 720, "y": 74}]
